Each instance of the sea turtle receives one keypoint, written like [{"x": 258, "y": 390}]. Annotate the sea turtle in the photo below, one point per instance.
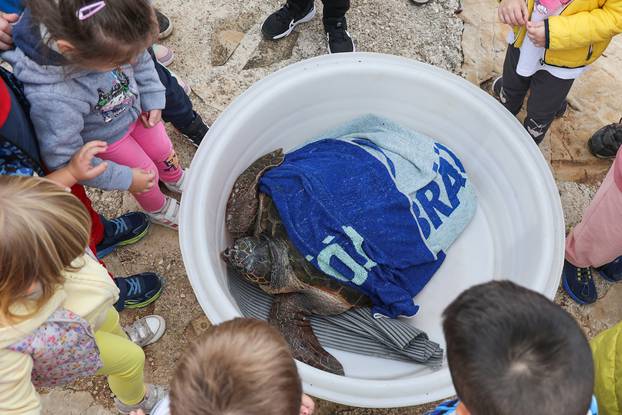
[{"x": 264, "y": 255}]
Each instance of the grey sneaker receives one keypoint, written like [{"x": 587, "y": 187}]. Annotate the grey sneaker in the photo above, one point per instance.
[
  {"x": 146, "y": 330},
  {"x": 178, "y": 186},
  {"x": 155, "y": 394}
]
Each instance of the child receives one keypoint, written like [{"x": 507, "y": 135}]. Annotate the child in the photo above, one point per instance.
[
  {"x": 88, "y": 76},
  {"x": 552, "y": 43},
  {"x": 597, "y": 240},
  {"x": 19, "y": 155},
  {"x": 49, "y": 289},
  {"x": 242, "y": 366},
  {"x": 607, "y": 350},
  {"x": 511, "y": 351},
  {"x": 178, "y": 110}
]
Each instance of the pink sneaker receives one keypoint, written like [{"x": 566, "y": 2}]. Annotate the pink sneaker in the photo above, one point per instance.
[{"x": 163, "y": 54}]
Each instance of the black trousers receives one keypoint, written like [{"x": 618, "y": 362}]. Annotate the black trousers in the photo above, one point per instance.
[
  {"x": 178, "y": 110},
  {"x": 547, "y": 96},
  {"x": 334, "y": 10}
]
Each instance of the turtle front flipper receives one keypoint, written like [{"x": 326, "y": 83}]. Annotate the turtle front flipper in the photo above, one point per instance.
[{"x": 289, "y": 316}]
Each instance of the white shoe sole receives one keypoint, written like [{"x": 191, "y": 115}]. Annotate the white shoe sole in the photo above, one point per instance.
[{"x": 293, "y": 25}]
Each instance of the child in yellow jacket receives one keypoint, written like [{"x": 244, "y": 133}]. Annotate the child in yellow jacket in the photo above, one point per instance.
[
  {"x": 57, "y": 322},
  {"x": 552, "y": 43}
]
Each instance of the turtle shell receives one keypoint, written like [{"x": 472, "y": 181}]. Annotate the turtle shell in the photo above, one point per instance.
[
  {"x": 269, "y": 223},
  {"x": 242, "y": 203}
]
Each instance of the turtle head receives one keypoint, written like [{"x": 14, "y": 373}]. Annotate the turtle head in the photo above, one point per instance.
[{"x": 251, "y": 257}]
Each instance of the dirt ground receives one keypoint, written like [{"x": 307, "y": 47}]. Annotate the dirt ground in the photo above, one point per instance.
[{"x": 219, "y": 51}]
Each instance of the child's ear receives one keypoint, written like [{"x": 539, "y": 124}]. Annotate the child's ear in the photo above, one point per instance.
[
  {"x": 64, "y": 47},
  {"x": 462, "y": 410}
]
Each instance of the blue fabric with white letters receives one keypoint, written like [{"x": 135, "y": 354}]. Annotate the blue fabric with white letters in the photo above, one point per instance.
[{"x": 376, "y": 207}]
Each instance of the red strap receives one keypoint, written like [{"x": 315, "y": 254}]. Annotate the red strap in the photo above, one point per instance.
[{"x": 5, "y": 103}]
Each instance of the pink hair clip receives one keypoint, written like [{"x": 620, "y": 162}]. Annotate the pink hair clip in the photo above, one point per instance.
[{"x": 90, "y": 9}]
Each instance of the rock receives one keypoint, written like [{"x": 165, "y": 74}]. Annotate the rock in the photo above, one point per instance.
[
  {"x": 200, "y": 325},
  {"x": 269, "y": 51},
  {"x": 224, "y": 43},
  {"x": 71, "y": 403}
]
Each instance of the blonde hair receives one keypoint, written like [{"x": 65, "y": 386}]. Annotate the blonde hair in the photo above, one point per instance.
[
  {"x": 43, "y": 228},
  {"x": 240, "y": 367}
]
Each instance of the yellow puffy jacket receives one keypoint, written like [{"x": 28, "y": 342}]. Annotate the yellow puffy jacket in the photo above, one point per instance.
[
  {"x": 607, "y": 352},
  {"x": 580, "y": 34}
]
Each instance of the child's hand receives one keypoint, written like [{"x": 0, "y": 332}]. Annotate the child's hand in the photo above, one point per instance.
[
  {"x": 139, "y": 412},
  {"x": 151, "y": 118},
  {"x": 142, "y": 180},
  {"x": 307, "y": 406},
  {"x": 513, "y": 12},
  {"x": 6, "y": 31},
  {"x": 80, "y": 166},
  {"x": 536, "y": 33}
]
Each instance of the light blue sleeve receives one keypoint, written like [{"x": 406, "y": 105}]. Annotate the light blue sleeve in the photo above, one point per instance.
[{"x": 152, "y": 93}]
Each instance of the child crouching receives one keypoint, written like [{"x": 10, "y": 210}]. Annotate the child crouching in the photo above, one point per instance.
[
  {"x": 242, "y": 366},
  {"x": 511, "y": 351},
  {"x": 57, "y": 322}
]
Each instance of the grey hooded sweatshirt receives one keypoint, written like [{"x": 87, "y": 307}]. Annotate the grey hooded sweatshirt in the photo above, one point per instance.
[{"x": 72, "y": 107}]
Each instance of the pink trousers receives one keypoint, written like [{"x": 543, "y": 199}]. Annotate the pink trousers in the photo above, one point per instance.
[
  {"x": 149, "y": 149},
  {"x": 597, "y": 240}
]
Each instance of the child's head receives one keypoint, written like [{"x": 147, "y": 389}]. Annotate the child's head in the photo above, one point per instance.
[
  {"x": 43, "y": 228},
  {"x": 240, "y": 367},
  {"x": 113, "y": 35},
  {"x": 511, "y": 351}
]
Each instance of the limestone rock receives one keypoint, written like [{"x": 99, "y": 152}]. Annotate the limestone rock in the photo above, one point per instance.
[{"x": 224, "y": 43}]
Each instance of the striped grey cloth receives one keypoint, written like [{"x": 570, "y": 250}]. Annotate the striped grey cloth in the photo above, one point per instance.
[{"x": 354, "y": 331}]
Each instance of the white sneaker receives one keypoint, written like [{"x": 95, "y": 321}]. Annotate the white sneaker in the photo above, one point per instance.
[
  {"x": 155, "y": 393},
  {"x": 146, "y": 330},
  {"x": 178, "y": 186},
  {"x": 167, "y": 216}
]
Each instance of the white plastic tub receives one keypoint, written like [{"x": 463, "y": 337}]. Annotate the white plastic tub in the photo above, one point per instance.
[{"x": 517, "y": 233}]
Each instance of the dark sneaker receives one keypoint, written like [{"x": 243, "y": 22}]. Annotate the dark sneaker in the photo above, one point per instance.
[
  {"x": 612, "y": 271},
  {"x": 139, "y": 290},
  {"x": 497, "y": 89},
  {"x": 579, "y": 284},
  {"x": 606, "y": 141},
  {"x": 124, "y": 230},
  {"x": 281, "y": 23},
  {"x": 338, "y": 38},
  {"x": 166, "y": 26},
  {"x": 196, "y": 130}
]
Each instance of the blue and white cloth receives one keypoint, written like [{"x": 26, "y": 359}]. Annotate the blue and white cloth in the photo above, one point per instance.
[
  {"x": 375, "y": 207},
  {"x": 449, "y": 408}
]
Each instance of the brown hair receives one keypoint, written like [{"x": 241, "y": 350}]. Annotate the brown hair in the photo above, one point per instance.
[
  {"x": 43, "y": 228},
  {"x": 240, "y": 367},
  {"x": 114, "y": 35}
]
